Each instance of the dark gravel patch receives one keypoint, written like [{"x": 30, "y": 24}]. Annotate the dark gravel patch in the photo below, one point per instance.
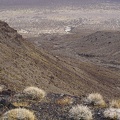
[{"x": 48, "y": 109}]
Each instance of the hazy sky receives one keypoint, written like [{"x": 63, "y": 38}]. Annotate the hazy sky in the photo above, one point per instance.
[{"x": 51, "y": 2}]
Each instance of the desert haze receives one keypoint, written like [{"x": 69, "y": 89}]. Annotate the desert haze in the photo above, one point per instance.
[
  {"x": 29, "y": 20},
  {"x": 59, "y": 60}
]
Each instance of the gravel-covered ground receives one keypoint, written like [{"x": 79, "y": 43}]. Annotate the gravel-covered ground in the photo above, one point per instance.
[{"x": 51, "y": 108}]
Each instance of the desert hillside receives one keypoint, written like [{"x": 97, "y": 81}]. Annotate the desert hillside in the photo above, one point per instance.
[
  {"x": 104, "y": 44},
  {"x": 23, "y": 64},
  {"x": 101, "y": 47}
]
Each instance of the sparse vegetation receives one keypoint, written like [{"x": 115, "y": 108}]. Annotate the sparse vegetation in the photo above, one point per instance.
[
  {"x": 21, "y": 104},
  {"x": 80, "y": 112},
  {"x": 115, "y": 104},
  {"x": 96, "y": 99},
  {"x": 64, "y": 101},
  {"x": 1, "y": 88},
  {"x": 18, "y": 114},
  {"x": 112, "y": 113},
  {"x": 34, "y": 93},
  {"x": 57, "y": 105}
]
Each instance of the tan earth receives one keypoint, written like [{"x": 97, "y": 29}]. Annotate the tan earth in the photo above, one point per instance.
[{"x": 24, "y": 64}]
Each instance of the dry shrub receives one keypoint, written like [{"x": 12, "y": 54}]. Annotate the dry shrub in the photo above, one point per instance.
[
  {"x": 1, "y": 88},
  {"x": 34, "y": 93},
  {"x": 80, "y": 112},
  {"x": 115, "y": 104},
  {"x": 96, "y": 99},
  {"x": 112, "y": 113},
  {"x": 21, "y": 104},
  {"x": 18, "y": 114},
  {"x": 64, "y": 101}
]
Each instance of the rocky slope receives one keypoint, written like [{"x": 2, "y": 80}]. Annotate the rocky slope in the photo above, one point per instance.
[
  {"x": 105, "y": 44},
  {"x": 53, "y": 107},
  {"x": 101, "y": 47},
  {"x": 23, "y": 64}
]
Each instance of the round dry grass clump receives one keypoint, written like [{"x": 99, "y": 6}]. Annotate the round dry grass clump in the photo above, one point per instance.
[
  {"x": 80, "y": 112},
  {"x": 115, "y": 104},
  {"x": 18, "y": 114},
  {"x": 34, "y": 93},
  {"x": 96, "y": 99},
  {"x": 112, "y": 113}
]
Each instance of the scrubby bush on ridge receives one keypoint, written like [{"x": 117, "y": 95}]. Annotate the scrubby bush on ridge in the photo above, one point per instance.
[
  {"x": 18, "y": 114},
  {"x": 95, "y": 99},
  {"x": 115, "y": 104},
  {"x": 80, "y": 112},
  {"x": 34, "y": 93},
  {"x": 112, "y": 113}
]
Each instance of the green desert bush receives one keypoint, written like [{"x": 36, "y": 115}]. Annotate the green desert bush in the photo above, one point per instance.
[
  {"x": 96, "y": 99},
  {"x": 18, "y": 114},
  {"x": 112, "y": 113},
  {"x": 34, "y": 93},
  {"x": 115, "y": 104},
  {"x": 80, "y": 112}
]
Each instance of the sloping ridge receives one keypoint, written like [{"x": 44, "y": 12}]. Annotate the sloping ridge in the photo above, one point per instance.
[
  {"x": 23, "y": 64},
  {"x": 104, "y": 44}
]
